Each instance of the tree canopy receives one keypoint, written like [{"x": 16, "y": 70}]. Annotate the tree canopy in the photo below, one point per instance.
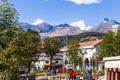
[
  {"x": 110, "y": 45},
  {"x": 17, "y": 47},
  {"x": 51, "y": 48},
  {"x": 72, "y": 53}
]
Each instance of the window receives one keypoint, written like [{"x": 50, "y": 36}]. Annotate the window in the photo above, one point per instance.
[
  {"x": 47, "y": 61},
  {"x": 56, "y": 61}
]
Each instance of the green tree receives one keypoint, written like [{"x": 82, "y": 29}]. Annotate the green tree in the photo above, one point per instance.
[
  {"x": 28, "y": 47},
  {"x": 72, "y": 53},
  {"x": 116, "y": 44},
  {"x": 17, "y": 47},
  {"x": 51, "y": 48},
  {"x": 8, "y": 62},
  {"x": 8, "y": 15},
  {"x": 107, "y": 44},
  {"x": 110, "y": 45},
  {"x": 8, "y": 31}
]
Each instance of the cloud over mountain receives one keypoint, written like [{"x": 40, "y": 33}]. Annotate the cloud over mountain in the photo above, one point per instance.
[{"x": 85, "y": 1}]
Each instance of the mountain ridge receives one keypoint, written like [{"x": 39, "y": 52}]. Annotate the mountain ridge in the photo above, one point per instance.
[{"x": 48, "y": 30}]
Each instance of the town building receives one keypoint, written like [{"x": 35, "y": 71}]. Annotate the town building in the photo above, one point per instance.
[
  {"x": 92, "y": 49},
  {"x": 61, "y": 59},
  {"x": 112, "y": 68},
  {"x": 44, "y": 61}
]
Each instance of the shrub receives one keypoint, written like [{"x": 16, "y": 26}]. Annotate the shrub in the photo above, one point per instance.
[
  {"x": 39, "y": 72},
  {"x": 102, "y": 72},
  {"x": 79, "y": 72}
]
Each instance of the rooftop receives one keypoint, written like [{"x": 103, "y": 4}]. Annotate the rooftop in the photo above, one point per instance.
[{"x": 90, "y": 43}]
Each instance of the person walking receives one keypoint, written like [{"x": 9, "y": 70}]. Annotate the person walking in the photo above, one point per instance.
[
  {"x": 71, "y": 74},
  {"x": 60, "y": 73},
  {"x": 74, "y": 75}
]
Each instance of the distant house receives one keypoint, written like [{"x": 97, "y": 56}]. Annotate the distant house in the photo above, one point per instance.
[{"x": 44, "y": 61}]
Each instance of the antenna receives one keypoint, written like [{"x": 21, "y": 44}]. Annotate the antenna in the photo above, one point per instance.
[{"x": 66, "y": 40}]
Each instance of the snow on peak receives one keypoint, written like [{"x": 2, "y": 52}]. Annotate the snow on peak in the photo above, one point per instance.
[
  {"x": 80, "y": 24},
  {"x": 115, "y": 26},
  {"x": 38, "y": 21}
]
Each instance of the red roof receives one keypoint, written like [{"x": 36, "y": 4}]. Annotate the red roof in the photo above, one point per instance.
[{"x": 90, "y": 43}]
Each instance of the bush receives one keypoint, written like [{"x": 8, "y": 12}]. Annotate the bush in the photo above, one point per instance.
[
  {"x": 79, "y": 72},
  {"x": 102, "y": 73},
  {"x": 66, "y": 71},
  {"x": 39, "y": 72}
]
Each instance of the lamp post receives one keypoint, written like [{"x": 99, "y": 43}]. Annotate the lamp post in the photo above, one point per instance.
[
  {"x": 82, "y": 53},
  {"x": 96, "y": 65}
]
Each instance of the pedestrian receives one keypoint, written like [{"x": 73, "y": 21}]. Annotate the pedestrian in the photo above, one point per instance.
[
  {"x": 71, "y": 74},
  {"x": 55, "y": 71},
  {"x": 93, "y": 76},
  {"x": 60, "y": 72},
  {"x": 46, "y": 77},
  {"x": 74, "y": 75}
]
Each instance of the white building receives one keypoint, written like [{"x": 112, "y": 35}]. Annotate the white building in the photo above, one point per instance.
[
  {"x": 112, "y": 68},
  {"x": 60, "y": 58},
  {"x": 44, "y": 61},
  {"x": 90, "y": 47}
]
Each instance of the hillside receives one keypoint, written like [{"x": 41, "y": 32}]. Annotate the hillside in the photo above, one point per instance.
[{"x": 82, "y": 37}]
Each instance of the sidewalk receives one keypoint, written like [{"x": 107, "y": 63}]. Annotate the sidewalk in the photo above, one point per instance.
[{"x": 54, "y": 77}]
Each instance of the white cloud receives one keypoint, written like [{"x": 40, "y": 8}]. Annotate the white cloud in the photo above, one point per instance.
[{"x": 85, "y": 1}]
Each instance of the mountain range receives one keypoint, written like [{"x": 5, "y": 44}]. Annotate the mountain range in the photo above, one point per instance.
[
  {"x": 104, "y": 26},
  {"x": 48, "y": 30}
]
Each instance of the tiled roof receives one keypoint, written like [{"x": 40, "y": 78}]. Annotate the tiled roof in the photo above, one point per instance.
[{"x": 90, "y": 43}]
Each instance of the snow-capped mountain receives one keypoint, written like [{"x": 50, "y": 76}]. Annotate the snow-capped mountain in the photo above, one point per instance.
[
  {"x": 39, "y": 25},
  {"x": 47, "y": 30},
  {"x": 63, "y": 30},
  {"x": 38, "y": 22},
  {"x": 104, "y": 26},
  {"x": 81, "y": 24}
]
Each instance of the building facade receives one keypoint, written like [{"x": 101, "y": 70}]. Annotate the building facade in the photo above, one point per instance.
[
  {"x": 44, "y": 61},
  {"x": 92, "y": 48},
  {"x": 112, "y": 68}
]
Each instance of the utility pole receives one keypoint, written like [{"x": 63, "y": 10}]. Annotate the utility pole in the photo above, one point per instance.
[{"x": 66, "y": 40}]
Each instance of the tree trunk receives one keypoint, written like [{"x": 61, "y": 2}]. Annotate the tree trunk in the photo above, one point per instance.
[
  {"x": 29, "y": 67},
  {"x": 51, "y": 64}
]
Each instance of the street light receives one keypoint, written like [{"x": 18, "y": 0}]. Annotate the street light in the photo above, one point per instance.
[
  {"x": 82, "y": 52},
  {"x": 95, "y": 56}
]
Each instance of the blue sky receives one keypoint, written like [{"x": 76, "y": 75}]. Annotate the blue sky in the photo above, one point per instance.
[{"x": 67, "y": 11}]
